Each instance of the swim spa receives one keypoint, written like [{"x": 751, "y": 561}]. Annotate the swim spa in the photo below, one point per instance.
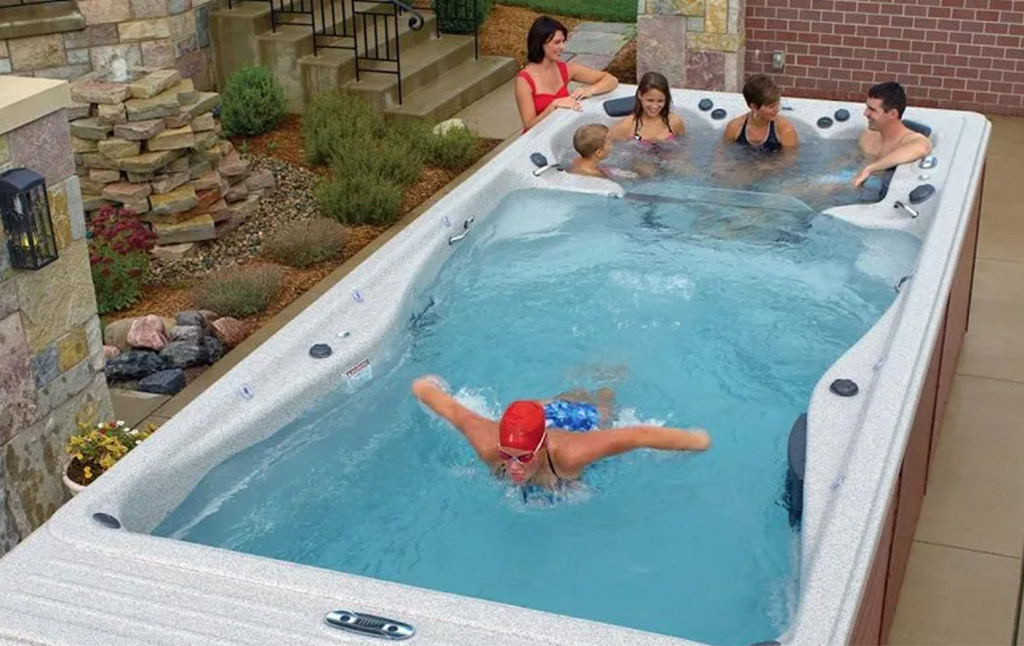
[{"x": 171, "y": 590}]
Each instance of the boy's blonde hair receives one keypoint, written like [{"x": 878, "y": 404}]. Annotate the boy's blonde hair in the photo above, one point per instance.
[{"x": 589, "y": 139}]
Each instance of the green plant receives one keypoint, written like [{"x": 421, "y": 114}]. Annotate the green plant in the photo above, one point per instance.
[
  {"x": 391, "y": 158},
  {"x": 272, "y": 145},
  {"x": 454, "y": 149},
  {"x": 97, "y": 447},
  {"x": 333, "y": 120},
  {"x": 305, "y": 243},
  {"x": 244, "y": 147},
  {"x": 603, "y": 10},
  {"x": 238, "y": 292},
  {"x": 118, "y": 257},
  {"x": 360, "y": 198},
  {"x": 459, "y": 16},
  {"x": 252, "y": 102}
]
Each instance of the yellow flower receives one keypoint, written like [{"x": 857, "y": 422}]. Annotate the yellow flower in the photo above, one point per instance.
[{"x": 87, "y": 473}]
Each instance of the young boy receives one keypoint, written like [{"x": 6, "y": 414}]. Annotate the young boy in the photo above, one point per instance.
[{"x": 594, "y": 143}]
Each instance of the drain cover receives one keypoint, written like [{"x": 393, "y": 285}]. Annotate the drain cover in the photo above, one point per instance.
[
  {"x": 320, "y": 351},
  {"x": 106, "y": 520},
  {"x": 718, "y": 114},
  {"x": 705, "y": 104},
  {"x": 842, "y": 114},
  {"x": 921, "y": 193},
  {"x": 825, "y": 122}
]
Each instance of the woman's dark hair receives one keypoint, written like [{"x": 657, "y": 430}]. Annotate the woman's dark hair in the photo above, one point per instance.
[
  {"x": 543, "y": 30},
  {"x": 652, "y": 81}
]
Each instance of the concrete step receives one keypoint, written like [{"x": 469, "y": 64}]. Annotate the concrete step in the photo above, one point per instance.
[
  {"x": 329, "y": 70},
  {"x": 421, "y": 65},
  {"x": 281, "y": 51},
  {"x": 233, "y": 33},
  {"x": 337, "y": 24},
  {"x": 454, "y": 90}
]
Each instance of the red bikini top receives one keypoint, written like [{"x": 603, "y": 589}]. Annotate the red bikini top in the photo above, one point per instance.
[{"x": 542, "y": 101}]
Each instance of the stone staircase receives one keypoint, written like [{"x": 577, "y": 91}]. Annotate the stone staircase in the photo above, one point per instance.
[{"x": 440, "y": 74}]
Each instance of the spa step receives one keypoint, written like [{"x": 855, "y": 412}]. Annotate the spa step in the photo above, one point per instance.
[{"x": 454, "y": 90}]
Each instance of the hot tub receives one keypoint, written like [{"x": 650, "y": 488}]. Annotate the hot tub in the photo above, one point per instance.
[{"x": 95, "y": 573}]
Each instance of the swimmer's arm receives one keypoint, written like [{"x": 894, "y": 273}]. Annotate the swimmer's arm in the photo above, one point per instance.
[
  {"x": 787, "y": 134},
  {"x": 914, "y": 149},
  {"x": 676, "y": 125},
  {"x": 623, "y": 129},
  {"x": 590, "y": 447},
  {"x": 732, "y": 131},
  {"x": 599, "y": 82},
  {"x": 528, "y": 113},
  {"x": 480, "y": 431}
]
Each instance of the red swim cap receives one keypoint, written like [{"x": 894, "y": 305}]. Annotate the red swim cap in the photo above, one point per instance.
[{"x": 522, "y": 426}]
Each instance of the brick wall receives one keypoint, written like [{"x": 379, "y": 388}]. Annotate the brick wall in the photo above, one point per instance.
[{"x": 963, "y": 54}]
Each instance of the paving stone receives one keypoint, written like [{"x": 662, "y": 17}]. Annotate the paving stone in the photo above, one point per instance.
[
  {"x": 194, "y": 230},
  {"x": 203, "y": 123},
  {"x": 96, "y": 160},
  {"x": 138, "y": 207},
  {"x": 595, "y": 42},
  {"x": 90, "y": 128},
  {"x": 153, "y": 84},
  {"x": 111, "y": 114},
  {"x": 177, "y": 201},
  {"x": 104, "y": 176},
  {"x": 148, "y": 162},
  {"x": 624, "y": 28},
  {"x": 594, "y": 61},
  {"x": 126, "y": 192},
  {"x": 207, "y": 181},
  {"x": 176, "y": 139},
  {"x": 78, "y": 111},
  {"x": 79, "y": 145},
  {"x": 206, "y": 102},
  {"x": 139, "y": 130},
  {"x": 116, "y": 148},
  {"x": 99, "y": 92},
  {"x": 142, "y": 178},
  {"x": 167, "y": 183},
  {"x": 183, "y": 118},
  {"x": 162, "y": 105}
]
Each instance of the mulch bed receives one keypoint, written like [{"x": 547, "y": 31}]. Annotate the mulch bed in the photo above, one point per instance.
[
  {"x": 624, "y": 65},
  {"x": 504, "y": 32}
]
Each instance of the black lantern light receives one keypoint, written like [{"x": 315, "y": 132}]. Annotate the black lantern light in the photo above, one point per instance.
[{"x": 26, "y": 216}]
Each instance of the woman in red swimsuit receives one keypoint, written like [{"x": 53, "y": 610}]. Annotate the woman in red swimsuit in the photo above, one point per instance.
[{"x": 543, "y": 85}]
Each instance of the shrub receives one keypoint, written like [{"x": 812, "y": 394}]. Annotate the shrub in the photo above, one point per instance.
[
  {"x": 453, "y": 150},
  {"x": 252, "y": 102},
  {"x": 457, "y": 16},
  {"x": 118, "y": 257},
  {"x": 301, "y": 244},
  {"x": 360, "y": 198},
  {"x": 391, "y": 158},
  {"x": 238, "y": 292},
  {"x": 333, "y": 120},
  {"x": 97, "y": 447}
]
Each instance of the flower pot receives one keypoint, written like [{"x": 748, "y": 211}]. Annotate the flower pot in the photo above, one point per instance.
[{"x": 70, "y": 484}]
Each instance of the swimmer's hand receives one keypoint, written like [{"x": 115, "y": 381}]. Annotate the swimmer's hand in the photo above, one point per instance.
[
  {"x": 568, "y": 102},
  {"x": 863, "y": 175},
  {"x": 694, "y": 439},
  {"x": 619, "y": 173},
  {"x": 582, "y": 93},
  {"x": 427, "y": 383}
]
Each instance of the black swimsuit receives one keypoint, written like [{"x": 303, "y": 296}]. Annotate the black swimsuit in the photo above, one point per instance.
[{"x": 771, "y": 142}]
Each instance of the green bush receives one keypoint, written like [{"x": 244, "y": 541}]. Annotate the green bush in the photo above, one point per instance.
[
  {"x": 333, "y": 121},
  {"x": 391, "y": 158},
  {"x": 457, "y": 16},
  {"x": 238, "y": 292},
  {"x": 453, "y": 150},
  {"x": 360, "y": 198},
  {"x": 119, "y": 257},
  {"x": 301, "y": 244},
  {"x": 252, "y": 103}
]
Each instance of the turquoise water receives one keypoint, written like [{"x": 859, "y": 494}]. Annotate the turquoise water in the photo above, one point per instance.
[{"x": 699, "y": 307}]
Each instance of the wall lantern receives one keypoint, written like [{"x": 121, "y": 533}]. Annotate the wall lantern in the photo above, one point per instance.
[{"x": 26, "y": 217}]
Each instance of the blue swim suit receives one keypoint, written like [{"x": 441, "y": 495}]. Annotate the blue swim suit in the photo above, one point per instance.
[{"x": 571, "y": 416}]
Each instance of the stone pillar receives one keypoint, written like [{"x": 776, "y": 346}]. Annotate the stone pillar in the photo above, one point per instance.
[
  {"x": 51, "y": 348},
  {"x": 696, "y": 44}
]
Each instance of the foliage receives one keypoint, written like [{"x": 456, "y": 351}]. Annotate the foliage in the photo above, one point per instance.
[
  {"x": 118, "y": 256},
  {"x": 305, "y": 243},
  {"x": 238, "y": 292},
  {"x": 97, "y": 447},
  {"x": 603, "y": 10},
  {"x": 458, "y": 17},
  {"x": 333, "y": 121},
  {"x": 391, "y": 158},
  {"x": 252, "y": 102},
  {"x": 453, "y": 149},
  {"x": 360, "y": 198}
]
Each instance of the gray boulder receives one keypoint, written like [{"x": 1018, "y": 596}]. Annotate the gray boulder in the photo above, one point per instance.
[
  {"x": 192, "y": 317},
  {"x": 133, "y": 364},
  {"x": 165, "y": 382},
  {"x": 214, "y": 348},
  {"x": 184, "y": 354},
  {"x": 189, "y": 333}
]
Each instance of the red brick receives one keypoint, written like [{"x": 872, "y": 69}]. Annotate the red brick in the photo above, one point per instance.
[
  {"x": 1013, "y": 42},
  {"x": 898, "y": 68},
  {"x": 937, "y": 36},
  {"x": 966, "y": 73},
  {"x": 986, "y": 16},
  {"x": 945, "y": 48},
  {"x": 939, "y": 12},
  {"x": 990, "y": 75},
  {"x": 954, "y": 84}
]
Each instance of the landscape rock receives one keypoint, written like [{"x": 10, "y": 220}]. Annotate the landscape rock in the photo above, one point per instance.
[
  {"x": 110, "y": 351},
  {"x": 154, "y": 83},
  {"x": 214, "y": 348},
  {"x": 164, "y": 382},
  {"x": 147, "y": 162},
  {"x": 167, "y": 183},
  {"x": 172, "y": 251},
  {"x": 139, "y": 130},
  {"x": 162, "y": 105},
  {"x": 104, "y": 176},
  {"x": 177, "y": 201},
  {"x": 183, "y": 118},
  {"x": 193, "y": 318},
  {"x": 116, "y": 148},
  {"x": 79, "y": 145},
  {"x": 147, "y": 332},
  {"x": 175, "y": 139},
  {"x": 111, "y": 114},
  {"x": 259, "y": 180},
  {"x": 187, "y": 333},
  {"x": 116, "y": 333},
  {"x": 203, "y": 123},
  {"x": 125, "y": 192},
  {"x": 99, "y": 92},
  {"x": 133, "y": 364},
  {"x": 90, "y": 128},
  {"x": 184, "y": 354},
  {"x": 230, "y": 331},
  {"x": 194, "y": 229}
]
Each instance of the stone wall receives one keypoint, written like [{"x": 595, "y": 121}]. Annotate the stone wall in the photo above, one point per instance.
[
  {"x": 107, "y": 34},
  {"x": 51, "y": 347},
  {"x": 697, "y": 44}
]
